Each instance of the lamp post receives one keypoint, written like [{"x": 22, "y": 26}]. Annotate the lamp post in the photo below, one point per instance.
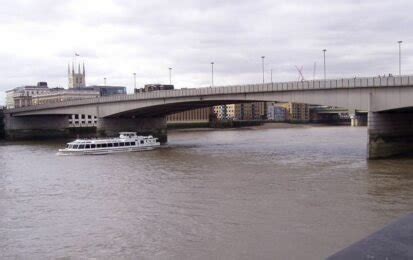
[
  {"x": 271, "y": 75},
  {"x": 104, "y": 81},
  {"x": 400, "y": 57},
  {"x": 212, "y": 74},
  {"x": 134, "y": 80},
  {"x": 170, "y": 76},
  {"x": 262, "y": 58},
  {"x": 324, "y": 53}
]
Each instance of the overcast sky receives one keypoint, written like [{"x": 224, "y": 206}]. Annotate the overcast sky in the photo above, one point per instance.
[{"x": 117, "y": 38}]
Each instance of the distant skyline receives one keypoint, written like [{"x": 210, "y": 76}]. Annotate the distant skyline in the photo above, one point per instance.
[{"x": 118, "y": 38}]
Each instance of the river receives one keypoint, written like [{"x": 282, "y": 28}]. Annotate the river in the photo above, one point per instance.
[{"x": 299, "y": 193}]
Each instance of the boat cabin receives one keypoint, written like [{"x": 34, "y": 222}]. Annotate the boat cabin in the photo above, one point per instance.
[{"x": 125, "y": 140}]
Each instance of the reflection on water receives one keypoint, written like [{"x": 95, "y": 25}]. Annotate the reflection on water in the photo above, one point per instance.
[{"x": 235, "y": 194}]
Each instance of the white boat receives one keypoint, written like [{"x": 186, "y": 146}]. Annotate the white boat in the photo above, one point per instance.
[{"x": 126, "y": 142}]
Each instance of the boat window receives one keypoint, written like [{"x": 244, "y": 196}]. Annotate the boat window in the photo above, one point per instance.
[
  {"x": 110, "y": 145},
  {"x": 104, "y": 145},
  {"x": 75, "y": 146},
  {"x": 141, "y": 141},
  {"x": 93, "y": 146},
  {"x": 88, "y": 146},
  {"x": 99, "y": 145},
  {"x": 127, "y": 144},
  {"x": 133, "y": 143},
  {"x": 82, "y": 146},
  {"x": 121, "y": 144},
  {"x": 116, "y": 144}
]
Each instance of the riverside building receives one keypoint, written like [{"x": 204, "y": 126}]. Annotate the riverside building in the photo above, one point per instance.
[
  {"x": 276, "y": 113},
  {"x": 249, "y": 111},
  {"x": 297, "y": 112},
  {"x": 241, "y": 111},
  {"x": 60, "y": 95},
  {"x": 194, "y": 116},
  {"x": 22, "y": 96}
]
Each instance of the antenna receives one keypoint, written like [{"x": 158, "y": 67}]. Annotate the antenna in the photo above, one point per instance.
[
  {"x": 300, "y": 73},
  {"x": 314, "y": 70}
]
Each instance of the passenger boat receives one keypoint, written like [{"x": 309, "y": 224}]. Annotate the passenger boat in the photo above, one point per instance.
[{"x": 126, "y": 142}]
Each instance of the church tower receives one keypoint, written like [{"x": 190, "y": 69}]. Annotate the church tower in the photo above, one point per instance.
[{"x": 76, "y": 80}]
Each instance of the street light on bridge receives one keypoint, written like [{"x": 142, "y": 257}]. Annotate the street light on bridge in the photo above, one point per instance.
[
  {"x": 324, "y": 53},
  {"x": 170, "y": 76},
  {"x": 263, "y": 79},
  {"x": 271, "y": 75},
  {"x": 400, "y": 57},
  {"x": 134, "y": 80},
  {"x": 212, "y": 74}
]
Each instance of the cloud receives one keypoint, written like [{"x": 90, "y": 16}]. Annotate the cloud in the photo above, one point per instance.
[{"x": 117, "y": 38}]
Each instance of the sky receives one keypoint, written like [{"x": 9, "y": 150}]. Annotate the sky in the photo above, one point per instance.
[{"x": 120, "y": 37}]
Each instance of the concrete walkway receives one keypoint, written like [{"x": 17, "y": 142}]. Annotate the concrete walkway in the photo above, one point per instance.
[{"x": 393, "y": 242}]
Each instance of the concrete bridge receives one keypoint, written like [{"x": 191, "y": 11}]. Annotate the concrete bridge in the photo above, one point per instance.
[{"x": 388, "y": 100}]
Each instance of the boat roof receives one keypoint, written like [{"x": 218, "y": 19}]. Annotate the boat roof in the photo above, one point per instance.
[{"x": 110, "y": 140}]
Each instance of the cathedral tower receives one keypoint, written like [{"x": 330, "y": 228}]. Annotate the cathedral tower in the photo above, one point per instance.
[{"x": 76, "y": 80}]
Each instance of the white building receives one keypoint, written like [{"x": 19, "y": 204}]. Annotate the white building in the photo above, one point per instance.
[
  {"x": 60, "y": 95},
  {"x": 22, "y": 96}
]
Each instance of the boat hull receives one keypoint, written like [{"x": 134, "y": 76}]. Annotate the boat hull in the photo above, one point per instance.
[{"x": 104, "y": 151}]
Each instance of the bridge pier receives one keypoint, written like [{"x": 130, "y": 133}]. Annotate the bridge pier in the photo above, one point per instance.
[
  {"x": 390, "y": 134},
  {"x": 111, "y": 126},
  {"x": 36, "y": 127}
]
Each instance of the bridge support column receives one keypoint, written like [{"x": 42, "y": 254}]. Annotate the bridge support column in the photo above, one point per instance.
[
  {"x": 390, "y": 133},
  {"x": 36, "y": 127},
  {"x": 111, "y": 126}
]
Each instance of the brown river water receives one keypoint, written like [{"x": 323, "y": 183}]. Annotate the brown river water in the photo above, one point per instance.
[{"x": 300, "y": 193}]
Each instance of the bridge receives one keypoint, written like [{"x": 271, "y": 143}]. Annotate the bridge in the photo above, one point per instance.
[{"x": 388, "y": 100}]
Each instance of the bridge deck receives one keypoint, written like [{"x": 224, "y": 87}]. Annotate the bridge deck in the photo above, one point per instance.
[{"x": 365, "y": 82}]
